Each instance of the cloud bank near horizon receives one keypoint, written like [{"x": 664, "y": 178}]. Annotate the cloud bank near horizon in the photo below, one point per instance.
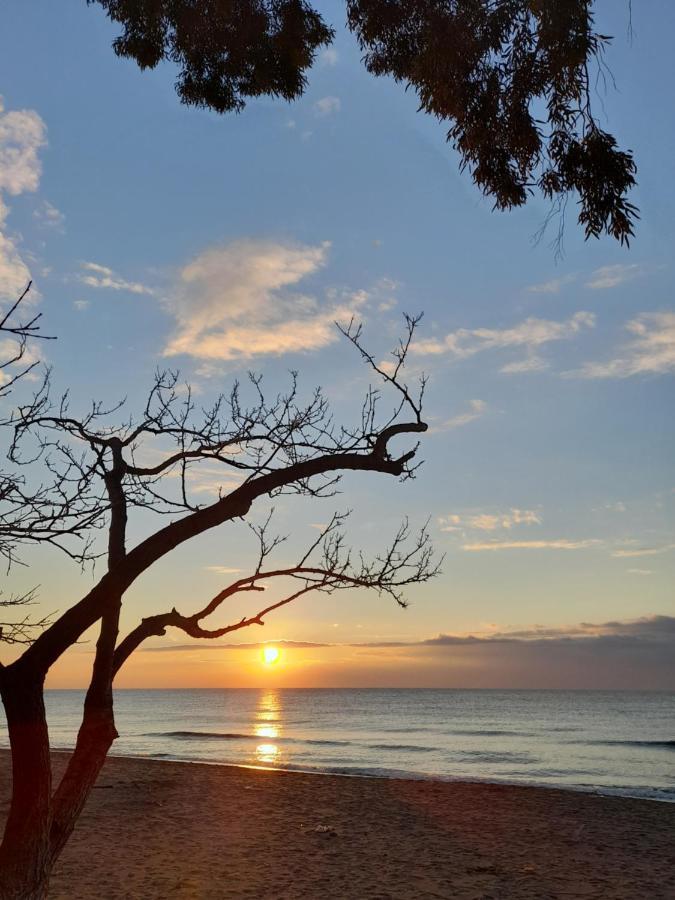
[
  {"x": 654, "y": 628},
  {"x": 628, "y": 654}
]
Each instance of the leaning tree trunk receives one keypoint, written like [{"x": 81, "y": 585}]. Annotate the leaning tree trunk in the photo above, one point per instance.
[
  {"x": 25, "y": 856},
  {"x": 95, "y": 736},
  {"x": 39, "y": 825},
  {"x": 93, "y": 742}
]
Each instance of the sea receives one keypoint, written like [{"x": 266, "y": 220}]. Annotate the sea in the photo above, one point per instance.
[{"x": 608, "y": 742}]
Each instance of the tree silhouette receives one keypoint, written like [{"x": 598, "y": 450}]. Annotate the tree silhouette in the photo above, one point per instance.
[
  {"x": 16, "y": 333},
  {"x": 101, "y": 474},
  {"x": 512, "y": 80},
  {"x": 15, "y": 504}
]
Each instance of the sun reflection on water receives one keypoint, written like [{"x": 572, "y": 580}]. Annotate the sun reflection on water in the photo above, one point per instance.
[
  {"x": 266, "y": 731},
  {"x": 267, "y": 753},
  {"x": 267, "y": 724}
]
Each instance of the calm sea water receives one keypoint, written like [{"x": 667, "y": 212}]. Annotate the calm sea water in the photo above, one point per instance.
[{"x": 611, "y": 742}]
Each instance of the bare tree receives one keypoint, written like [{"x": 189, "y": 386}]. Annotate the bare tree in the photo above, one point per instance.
[
  {"x": 16, "y": 331},
  {"x": 102, "y": 473}
]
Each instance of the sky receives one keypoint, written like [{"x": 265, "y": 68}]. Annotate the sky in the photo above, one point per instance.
[{"x": 159, "y": 235}]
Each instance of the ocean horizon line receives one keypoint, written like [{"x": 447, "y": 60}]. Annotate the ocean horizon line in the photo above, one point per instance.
[{"x": 540, "y": 690}]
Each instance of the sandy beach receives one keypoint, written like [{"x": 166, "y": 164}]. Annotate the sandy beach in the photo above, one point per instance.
[{"x": 156, "y": 829}]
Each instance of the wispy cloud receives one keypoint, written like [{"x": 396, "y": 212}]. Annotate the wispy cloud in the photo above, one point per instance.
[
  {"x": 531, "y": 363},
  {"x": 476, "y": 410},
  {"x": 98, "y": 276},
  {"x": 553, "y": 286},
  {"x": 238, "y": 302},
  {"x": 530, "y": 334},
  {"x": 483, "y": 521},
  {"x": 465, "y": 525},
  {"x": 213, "y": 480},
  {"x": 327, "y": 106},
  {"x": 556, "y": 544},
  {"x": 600, "y": 279},
  {"x": 636, "y": 552},
  {"x": 651, "y": 350},
  {"x": 612, "y": 276},
  {"x": 49, "y": 216},
  {"x": 22, "y": 135},
  {"x": 329, "y": 57}
]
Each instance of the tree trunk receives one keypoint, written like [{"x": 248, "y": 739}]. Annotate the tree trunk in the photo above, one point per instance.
[
  {"x": 94, "y": 738},
  {"x": 93, "y": 742},
  {"x": 25, "y": 859}
]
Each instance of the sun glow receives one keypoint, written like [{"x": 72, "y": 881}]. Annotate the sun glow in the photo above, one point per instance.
[{"x": 270, "y": 655}]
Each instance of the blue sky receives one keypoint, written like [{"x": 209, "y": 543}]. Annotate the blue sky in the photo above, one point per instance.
[{"x": 549, "y": 475}]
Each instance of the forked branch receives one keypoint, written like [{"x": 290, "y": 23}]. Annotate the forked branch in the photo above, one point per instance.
[
  {"x": 20, "y": 630},
  {"x": 21, "y": 331},
  {"x": 328, "y": 565},
  {"x": 263, "y": 447}
]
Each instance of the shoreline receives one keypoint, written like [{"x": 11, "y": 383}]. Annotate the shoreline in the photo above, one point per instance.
[
  {"x": 205, "y": 830},
  {"x": 397, "y": 775}
]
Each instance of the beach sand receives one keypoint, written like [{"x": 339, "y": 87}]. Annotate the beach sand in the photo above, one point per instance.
[{"x": 156, "y": 829}]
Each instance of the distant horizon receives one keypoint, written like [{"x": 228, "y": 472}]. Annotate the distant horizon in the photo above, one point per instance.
[
  {"x": 386, "y": 688},
  {"x": 615, "y": 655}
]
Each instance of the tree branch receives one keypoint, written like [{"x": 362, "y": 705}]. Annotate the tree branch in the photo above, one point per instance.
[
  {"x": 403, "y": 563},
  {"x": 281, "y": 445}
]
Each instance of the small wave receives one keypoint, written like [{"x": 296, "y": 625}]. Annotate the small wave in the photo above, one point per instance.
[
  {"x": 535, "y": 773},
  {"x": 491, "y": 733},
  {"x": 669, "y": 745},
  {"x": 235, "y": 736},
  {"x": 325, "y": 743},
  {"x": 407, "y": 730},
  {"x": 202, "y": 735},
  {"x": 489, "y": 756},
  {"x": 410, "y": 748}
]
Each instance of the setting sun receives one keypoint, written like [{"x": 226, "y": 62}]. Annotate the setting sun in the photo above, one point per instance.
[{"x": 270, "y": 655}]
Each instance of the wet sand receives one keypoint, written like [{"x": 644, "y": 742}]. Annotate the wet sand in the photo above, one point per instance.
[{"x": 156, "y": 829}]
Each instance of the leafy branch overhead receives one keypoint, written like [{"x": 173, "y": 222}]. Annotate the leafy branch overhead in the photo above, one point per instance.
[{"x": 512, "y": 80}]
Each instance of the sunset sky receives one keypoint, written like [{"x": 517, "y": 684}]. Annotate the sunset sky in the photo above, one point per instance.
[{"x": 158, "y": 235}]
